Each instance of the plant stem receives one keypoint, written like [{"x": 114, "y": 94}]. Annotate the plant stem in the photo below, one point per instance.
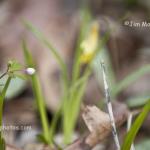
[
  {"x": 38, "y": 94},
  {"x": 86, "y": 17},
  {"x": 58, "y": 57},
  {"x": 2, "y": 96},
  {"x": 3, "y": 75},
  {"x": 109, "y": 107},
  {"x": 41, "y": 106}
]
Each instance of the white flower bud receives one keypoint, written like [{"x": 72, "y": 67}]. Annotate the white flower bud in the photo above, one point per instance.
[{"x": 30, "y": 71}]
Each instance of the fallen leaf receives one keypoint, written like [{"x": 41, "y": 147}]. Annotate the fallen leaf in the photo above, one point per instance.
[
  {"x": 99, "y": 126},
  {"x": 95, "y": 118}
]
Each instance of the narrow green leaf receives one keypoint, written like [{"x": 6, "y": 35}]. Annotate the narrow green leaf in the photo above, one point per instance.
[
  {"x": 2, "y": 96},
  {"x": 2, "y": 144},
  {"x": 57, "y": 56},
  {"x": 37, "y": 90},
  {"x": 144, "y": 145},
  {"x": 104, "y": 55},
  {"x": 27, "y": 55},
  {"x": 129, "y": 139},
  {"x": 72, "y": 105},
  {"x": 130, "y": 79},
  {"x": 86, "y": 18},
  {"x": 137, "y": 101},
  {"x": 41, "y": 138},
  {"x": 19, "y": 85},
  {"x": 54, "y": 124}
]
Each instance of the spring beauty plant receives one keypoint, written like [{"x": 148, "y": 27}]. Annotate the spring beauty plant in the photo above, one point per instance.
[
  {"x": 37, "y": 90},
  {"x": 88, "y": 45},
  {"x": 14, "y": 70}
]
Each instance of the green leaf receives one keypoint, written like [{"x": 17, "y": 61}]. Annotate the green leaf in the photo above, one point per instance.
[
  {"x": 144, "y": 145},
  {"x": 46, "y": 43},
  {"x": 41, "y": 138},
  {"x": 2, "y": 144},
  {"x": 14, "y": 66},
  {"x": 37, "y": 90},
  {"x": 137, "y": 101},
  {"x": 18, "y": 83},
  {"x": 72, "y": 105},
  {"x": 2, "y": 96},
  {"x": 130, "y": 79},
  {"x": 21, "y": 76},
  {"x": 104, "y": 55},
  {"x": 54, "y": 124},
  {"x": 27, "y": 55},
  {"x": 86, "y": 19},
  {"x": 129, "y": 139}
]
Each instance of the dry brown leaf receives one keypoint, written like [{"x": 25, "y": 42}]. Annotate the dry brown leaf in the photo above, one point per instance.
[
  {"x": 95, "y": 118},
  {"x": 98, "y": 123},
  {"x": 99, "y": 126}
]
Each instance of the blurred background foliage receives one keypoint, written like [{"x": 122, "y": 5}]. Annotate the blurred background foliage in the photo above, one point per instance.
[{"x": 125, "y": 50}]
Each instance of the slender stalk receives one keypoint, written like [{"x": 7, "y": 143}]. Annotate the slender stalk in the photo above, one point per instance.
[
  {"x": 86, "y": 17},
  {"x": 58, "y": 57},
  {"x": 109, "y": 107},
  {"x": 2, "y": 96},
  {"x": 41, "y": 106},
  {"x": 129, "y": 122},
  {"x": 5, "y": 73},
  {"x": 38, "y": 94}
]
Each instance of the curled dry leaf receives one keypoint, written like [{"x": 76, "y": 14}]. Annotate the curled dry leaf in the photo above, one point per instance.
[
  {"x": 94, "y": 118},
  {"x": 98, "y": 123}
]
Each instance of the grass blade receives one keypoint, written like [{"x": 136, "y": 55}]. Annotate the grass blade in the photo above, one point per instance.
[
  {"x": 86, "y": 17},
  {"x": 2, "y": 96},
  {"x": 137, "y": 101},
  {"x": 2, "y": 144},
  {"x": 59, "y": 59},
  {"x": 130, "y": 79},
  {"x": 38, "y": 95},
  {"x": 129, "y": 139}
]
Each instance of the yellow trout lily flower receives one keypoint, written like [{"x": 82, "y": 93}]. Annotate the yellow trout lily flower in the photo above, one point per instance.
[{"x": 89, "y": 45}]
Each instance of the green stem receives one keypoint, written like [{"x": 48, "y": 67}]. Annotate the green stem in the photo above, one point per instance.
[
  {"x": 58, "y": 57},
  {"x": 76, "y": 67},
  {"x": 41, "y": 106},
  {"x": 2, "y": 96},
  {"x": 72, "y": 104},
  {"x": 38, "y": 94}
]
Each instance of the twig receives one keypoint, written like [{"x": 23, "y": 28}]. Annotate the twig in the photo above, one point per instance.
[
  {"x": 109, "y": 107},
  {"x": 5, "y": 73},
  {"x": 129, "y": 122}
]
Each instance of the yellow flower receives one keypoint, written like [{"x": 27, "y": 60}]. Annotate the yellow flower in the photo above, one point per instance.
[{"x": 89, "y": 45}]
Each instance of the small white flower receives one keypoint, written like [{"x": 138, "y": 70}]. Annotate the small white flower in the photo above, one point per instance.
[{"x": 30, "y": 71}]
